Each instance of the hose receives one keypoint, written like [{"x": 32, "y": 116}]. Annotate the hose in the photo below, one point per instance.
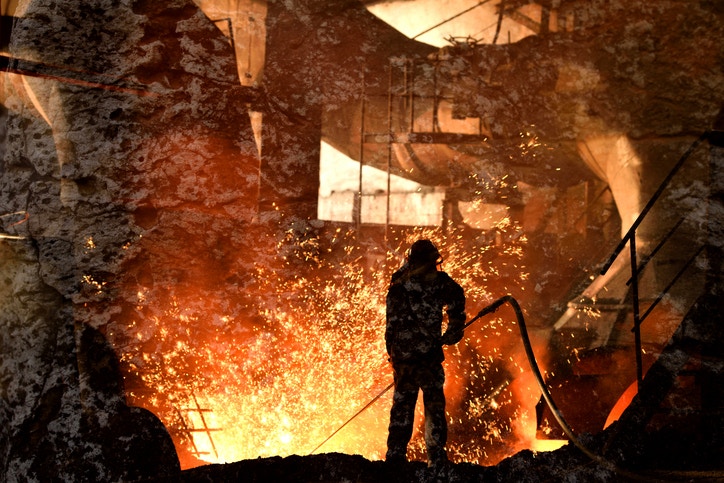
[
  {"x": 548, "y": 399},
  {"x": 557, "y": 413}
]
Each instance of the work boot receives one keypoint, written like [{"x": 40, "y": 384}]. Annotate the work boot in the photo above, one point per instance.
[
  {"x": 438, "y": 471},
  {"x": 395, "y": 459},
  {"x": 438, "y": 462}
]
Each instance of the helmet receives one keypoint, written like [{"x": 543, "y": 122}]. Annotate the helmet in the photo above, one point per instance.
[{"x": 423, "y": 252}]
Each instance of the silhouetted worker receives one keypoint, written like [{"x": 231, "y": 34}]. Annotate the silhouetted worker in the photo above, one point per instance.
[{"x": 418, "y": 294}]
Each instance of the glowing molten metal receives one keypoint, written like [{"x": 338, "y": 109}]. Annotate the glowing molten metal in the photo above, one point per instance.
[{"x": 234, "y": 381}]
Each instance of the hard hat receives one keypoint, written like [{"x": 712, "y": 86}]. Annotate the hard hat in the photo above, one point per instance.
[{"x": 423, "y": 251}]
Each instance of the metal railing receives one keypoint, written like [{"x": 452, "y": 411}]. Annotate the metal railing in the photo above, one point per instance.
[{"x": 637, "y": 268}]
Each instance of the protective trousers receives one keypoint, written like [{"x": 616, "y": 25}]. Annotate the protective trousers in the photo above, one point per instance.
[{"x": 409, "y": 379}]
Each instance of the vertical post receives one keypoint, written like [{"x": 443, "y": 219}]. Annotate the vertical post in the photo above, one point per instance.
[
  {"x": 715, "y": 225},
  {"x": 357, "y": 204},
  {"x": 712, "y": 387},
  {"x": 411, "y": 93},
  {"x": 435, "y": 101},
  {"x": 389, "y": 149},
  {"x": 545, "y": 19},
  {"x": 635, "y": 303}
]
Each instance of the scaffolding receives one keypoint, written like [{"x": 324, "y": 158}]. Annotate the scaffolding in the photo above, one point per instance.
[
  {"x": 413, "y": 100},
  {"x": 190, "y": 430}
]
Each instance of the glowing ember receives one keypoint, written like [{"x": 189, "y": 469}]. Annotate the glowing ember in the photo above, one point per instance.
[{"x": 242, "y": 381}]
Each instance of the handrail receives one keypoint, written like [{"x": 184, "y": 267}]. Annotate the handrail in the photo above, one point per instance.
[
  {"x": 632, "y": 230},
  {"x": 609, "y": 465},
  {"x": 658, "y": 247},
  {"x": 630, "y": 239},
  {"x": 671, "y": 284}
]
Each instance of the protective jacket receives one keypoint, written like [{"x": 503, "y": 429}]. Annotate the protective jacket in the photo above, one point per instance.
[{"x": 415, "y": 305}]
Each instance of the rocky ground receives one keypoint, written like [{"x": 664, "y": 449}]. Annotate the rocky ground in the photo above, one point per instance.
[{"x": 659, "y": 460}]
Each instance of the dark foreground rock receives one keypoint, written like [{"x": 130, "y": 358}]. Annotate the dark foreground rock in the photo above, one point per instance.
[{"x": 566, "y": 464}]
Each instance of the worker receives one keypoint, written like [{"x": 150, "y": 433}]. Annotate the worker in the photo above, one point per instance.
[{"x": 419, "y": 293}]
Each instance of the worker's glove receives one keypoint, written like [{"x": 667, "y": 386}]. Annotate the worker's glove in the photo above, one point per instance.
[{"x": 450, "y": 338}]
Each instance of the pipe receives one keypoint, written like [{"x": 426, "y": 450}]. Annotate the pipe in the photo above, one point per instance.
[
  {"x": 559, "y": 417},
  {"x": 549, "y": 400}
]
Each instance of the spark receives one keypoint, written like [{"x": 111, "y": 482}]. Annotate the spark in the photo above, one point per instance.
[{"x": 281, "y": 376}]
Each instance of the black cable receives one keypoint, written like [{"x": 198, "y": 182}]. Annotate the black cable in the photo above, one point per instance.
[
  {"x": 548, "y": 398},
  {"x": 559, "y": 417}
]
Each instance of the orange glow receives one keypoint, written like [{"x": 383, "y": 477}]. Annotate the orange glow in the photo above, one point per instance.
[
  {"x": 278, "y": 377},
  {"x": 543, "y": 445},
  {"x": 622, "y": 403}
]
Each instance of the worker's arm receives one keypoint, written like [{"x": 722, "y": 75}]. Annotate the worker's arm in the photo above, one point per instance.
[{"x": 455, "y": 313}]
